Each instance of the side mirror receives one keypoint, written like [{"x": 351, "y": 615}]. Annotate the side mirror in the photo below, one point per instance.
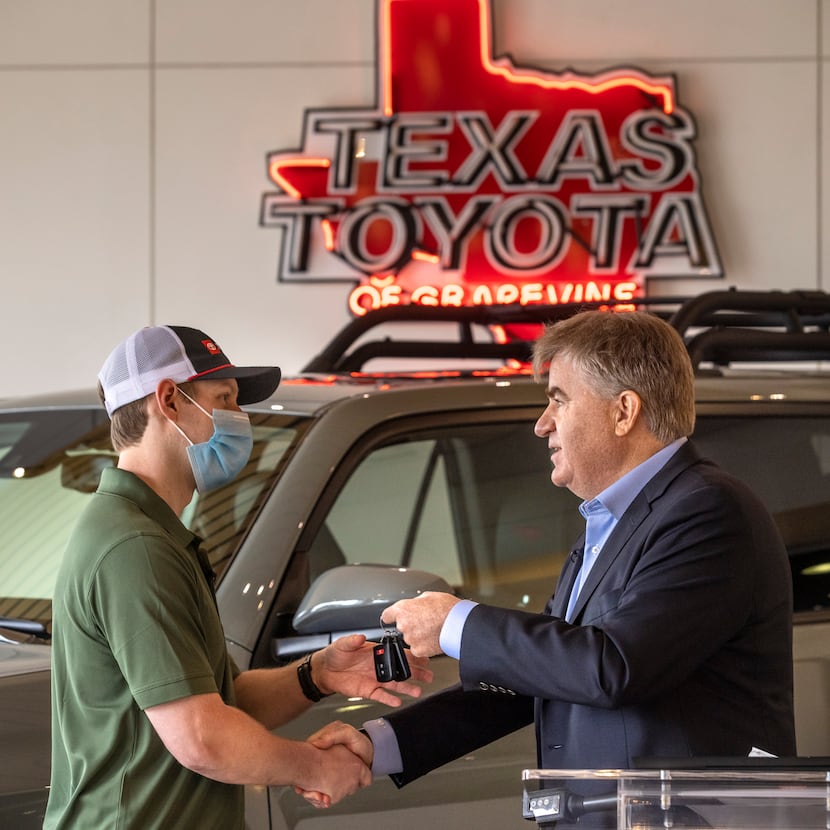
[{"x": 352, "y": 597}]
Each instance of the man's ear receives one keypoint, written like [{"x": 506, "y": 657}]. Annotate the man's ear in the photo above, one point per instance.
[
  {"x": 167, "y": 399},
  {"x": 629, "y": 407}
]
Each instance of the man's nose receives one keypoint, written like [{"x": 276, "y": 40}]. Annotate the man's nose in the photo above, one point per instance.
[{"x": 544, "y": 426}]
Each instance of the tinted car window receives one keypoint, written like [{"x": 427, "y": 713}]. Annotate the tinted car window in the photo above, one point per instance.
[
  {"x": 49, "y": 462},
  {"x": 473, "y": 504},
  {"x": 786, "y": 461}
]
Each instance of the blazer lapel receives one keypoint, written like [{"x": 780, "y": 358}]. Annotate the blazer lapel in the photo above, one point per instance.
[
  {"x": 631, "y": 520},
  {"x": 558, "y": 603}
]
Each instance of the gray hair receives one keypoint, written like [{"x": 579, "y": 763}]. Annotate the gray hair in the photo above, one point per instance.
[{"x": 634, "y": 351}]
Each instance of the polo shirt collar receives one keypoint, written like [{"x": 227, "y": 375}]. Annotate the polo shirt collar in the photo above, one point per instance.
[{"x": 118, "y": 482}]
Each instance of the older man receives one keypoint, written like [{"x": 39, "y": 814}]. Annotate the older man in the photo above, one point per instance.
[{"x": 669, "y": 632}]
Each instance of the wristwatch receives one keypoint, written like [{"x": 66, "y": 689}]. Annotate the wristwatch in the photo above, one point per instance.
[{"x": 309, "y": 687}]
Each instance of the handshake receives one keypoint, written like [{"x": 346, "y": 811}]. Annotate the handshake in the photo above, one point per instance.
[{"x": 356, "y": 668}]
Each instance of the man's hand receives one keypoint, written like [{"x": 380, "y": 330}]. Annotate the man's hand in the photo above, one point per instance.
[
  {"x": 333, "y": 738},
  {"x": 420, "y": 620},
  {"x": 348, "y": 666},
  {"x": 338, "y": 732}
]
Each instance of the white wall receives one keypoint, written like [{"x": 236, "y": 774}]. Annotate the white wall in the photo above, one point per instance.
[{"x": 133, "y": 137}]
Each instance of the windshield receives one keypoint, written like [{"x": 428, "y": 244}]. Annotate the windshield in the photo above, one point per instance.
[{"x": 50, "y": 463}]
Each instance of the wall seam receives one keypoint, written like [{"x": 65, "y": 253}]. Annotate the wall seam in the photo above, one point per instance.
[
  {"x": 151, "y": 185},
  {"x": 544, "y": 65}
]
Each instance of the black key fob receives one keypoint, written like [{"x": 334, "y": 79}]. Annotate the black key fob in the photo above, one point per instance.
[
  {"x": 400, "y": 665},
  {"x": 384, "y": 668},
  {"x": 390, "y": 658}
]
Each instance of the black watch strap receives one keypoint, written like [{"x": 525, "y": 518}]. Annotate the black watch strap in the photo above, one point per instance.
[{"x": 309, "y": 687}]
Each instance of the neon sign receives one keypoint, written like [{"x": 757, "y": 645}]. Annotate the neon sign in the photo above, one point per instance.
[{"x": 477, "y": 182}]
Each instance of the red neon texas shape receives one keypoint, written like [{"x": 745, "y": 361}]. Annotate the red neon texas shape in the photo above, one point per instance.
[{"x": 435, "y": 57}]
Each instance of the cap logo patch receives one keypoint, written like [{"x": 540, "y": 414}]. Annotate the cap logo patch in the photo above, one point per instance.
[{"x": 211, "y": 347}]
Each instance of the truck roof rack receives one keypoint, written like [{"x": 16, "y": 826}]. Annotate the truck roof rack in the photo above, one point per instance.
[
  {"x": 747, "y": 326},
  {"x": 344, "y": 352},
  {"x": 719, "y": 327}
]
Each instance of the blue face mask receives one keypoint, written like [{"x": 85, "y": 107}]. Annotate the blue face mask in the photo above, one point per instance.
[{"x": 222, "y": 458}]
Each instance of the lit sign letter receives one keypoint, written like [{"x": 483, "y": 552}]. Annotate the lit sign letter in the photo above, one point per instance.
[
  {"x": 344, "y": 159},
  {"x": 579, "y": 150},
  {"x": 482, "y": 295},
  {"x": 403, "y": 149},
  {"x": 452, "y": 295},
  {"x": 608, "y": 212},
  {"x": 378, "y": 236},
  {"x": 677, "y": 231},
  {"x": 549, "y": 216},
  {"x": 425, "y": 295},
  {"x": 493, "y": 149},
  {"x": 450, "y": 230},
  {"x": 663, "y": 139},
  {"x": 297, "y": 221}
]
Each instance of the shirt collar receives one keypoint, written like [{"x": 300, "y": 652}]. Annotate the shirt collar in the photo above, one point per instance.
[
  {"x": 617, "y": 497},
  {"x": 118, "y": 482}
]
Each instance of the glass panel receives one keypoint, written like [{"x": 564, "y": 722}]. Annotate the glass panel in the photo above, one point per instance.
[
  {"x": 734, "y": 793},
  {"x": 373, "y": 513},
  {"x": 522, "y": 526},
  {"x": 435, "y": 548},
  {"x": 473, "y": 504}
]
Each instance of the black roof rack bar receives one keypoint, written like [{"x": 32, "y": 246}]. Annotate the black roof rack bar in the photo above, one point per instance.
[
  {"x": 521, "y": 350},
  {"x": 334, "y": 356},
  {"x": 722, "y": 346},
  {"x": 792, "y": 309}
]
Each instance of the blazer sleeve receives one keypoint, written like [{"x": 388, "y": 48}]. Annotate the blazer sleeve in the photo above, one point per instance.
[{"x": 452, "y": 723}]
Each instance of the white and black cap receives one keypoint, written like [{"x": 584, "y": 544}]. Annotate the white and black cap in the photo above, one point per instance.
[{"x": 137, "y": 365}]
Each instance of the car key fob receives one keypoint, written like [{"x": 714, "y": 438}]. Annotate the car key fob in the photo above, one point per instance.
[
  {"x": 400, "y": 665},
  {"x": 390, "y": 658},
  {"x": 384, "y": 668}
]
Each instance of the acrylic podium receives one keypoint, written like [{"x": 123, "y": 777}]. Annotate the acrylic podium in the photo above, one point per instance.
[{"x": 793, "y": 794}]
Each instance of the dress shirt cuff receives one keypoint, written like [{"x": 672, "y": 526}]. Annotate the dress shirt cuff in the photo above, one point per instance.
[
  {"x": 450, "y": 637},
  {"x": 387, "y": 755}
]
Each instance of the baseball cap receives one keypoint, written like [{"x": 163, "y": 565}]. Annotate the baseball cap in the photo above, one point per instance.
[{"x": 137, "y": 365}]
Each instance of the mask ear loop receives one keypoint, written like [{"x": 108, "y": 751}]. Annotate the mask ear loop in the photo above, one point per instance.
[
  {"x": 196, "y": 404},
  {"x": 181, "y": 432}
]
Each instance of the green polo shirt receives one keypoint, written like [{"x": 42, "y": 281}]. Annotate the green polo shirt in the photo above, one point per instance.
[{"x": 134, "y": 625}]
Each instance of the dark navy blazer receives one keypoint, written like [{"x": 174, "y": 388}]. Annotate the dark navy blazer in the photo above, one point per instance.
[{"x": 681, "y": 643}]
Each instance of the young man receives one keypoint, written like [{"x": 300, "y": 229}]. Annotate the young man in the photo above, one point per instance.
[
  {"x": 669, "y": 632},
  {"x": 152, "y": 724}
]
